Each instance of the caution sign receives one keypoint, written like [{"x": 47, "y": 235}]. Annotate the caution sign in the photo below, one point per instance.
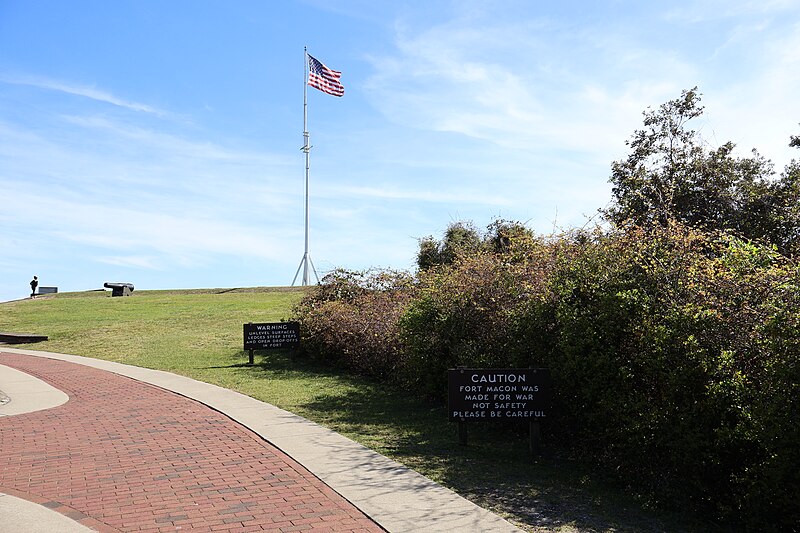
[{"x": 497, "y": 393}]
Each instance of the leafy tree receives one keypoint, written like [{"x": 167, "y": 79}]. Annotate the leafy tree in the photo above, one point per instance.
[
  {"x": 503, "y": 236},
  {"x": 460, "y": 238},
  {"x": 781, "y": 218},
  {"x": 671, "y": 173}
]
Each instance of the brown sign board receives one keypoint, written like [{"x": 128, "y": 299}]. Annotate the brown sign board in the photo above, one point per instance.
[
  {"x": 480, "y": 394},
  {"x": 271, "y": 336}
]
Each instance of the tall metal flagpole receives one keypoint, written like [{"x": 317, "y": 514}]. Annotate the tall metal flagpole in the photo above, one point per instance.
[{"x": 306, "y": 261}]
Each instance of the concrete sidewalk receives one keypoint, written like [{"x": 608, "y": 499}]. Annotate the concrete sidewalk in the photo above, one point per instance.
[
  {"x": 29, "y": 394},
  {"x": 22, "y": 516},
  {"x": 391, "y": 495}
]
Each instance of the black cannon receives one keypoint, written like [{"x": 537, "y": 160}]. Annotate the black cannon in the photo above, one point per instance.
[{"x": 119, "y": 289}]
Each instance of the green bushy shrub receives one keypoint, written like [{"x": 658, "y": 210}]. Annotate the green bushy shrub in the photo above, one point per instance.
[
  {"x": 674, "y": 353},
  {"x": 460, "y": 315},
  {"x": 351, "y": 319}
]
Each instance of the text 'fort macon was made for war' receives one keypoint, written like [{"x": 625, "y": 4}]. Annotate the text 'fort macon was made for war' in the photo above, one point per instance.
[{"x": 476, "y": 394}]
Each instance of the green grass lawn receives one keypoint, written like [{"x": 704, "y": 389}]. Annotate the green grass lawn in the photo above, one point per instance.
[{"x": 198, "y": 333}]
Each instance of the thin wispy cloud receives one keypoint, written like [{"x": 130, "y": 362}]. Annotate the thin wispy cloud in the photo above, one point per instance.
[
  {"x": 415, "y": 195},
  {"x": 168, "y": 237},
  {"x": 89, "y": 92},
  {"x": 439, "y": 82},
  {"x": 510, "y": 82},
  {"x": 697, "y": 11},
  {"x": 111, "y": 185},
  {"x": 136, "y": 261},
  {"x": 108, "y": 158}
]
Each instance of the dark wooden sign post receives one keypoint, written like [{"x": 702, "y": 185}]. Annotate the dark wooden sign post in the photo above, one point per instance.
[
  {"x": 271, "y": 336},
  {"x": 480, "y": 394}
]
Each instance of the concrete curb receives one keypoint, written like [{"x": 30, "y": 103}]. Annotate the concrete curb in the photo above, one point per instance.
[
  {"x": 392, "y": 495},
  {"x": 27, "y": 393},
  {"x": 22, "y": 516}
]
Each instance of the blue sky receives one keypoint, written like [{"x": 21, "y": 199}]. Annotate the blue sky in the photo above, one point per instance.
[{"x": 158, "y": 143}]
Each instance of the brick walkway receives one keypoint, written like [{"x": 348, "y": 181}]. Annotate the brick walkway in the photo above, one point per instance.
[{"x": 123, "y": 455}]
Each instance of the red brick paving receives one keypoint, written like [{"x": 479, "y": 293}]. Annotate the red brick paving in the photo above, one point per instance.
[{"x": 122, "y": 455}]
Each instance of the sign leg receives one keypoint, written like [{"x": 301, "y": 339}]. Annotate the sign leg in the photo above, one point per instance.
[
  {"x": 462, "y": 433},
  {"x": 536, "y": 438},
  {"x": 250, "y": 354}
]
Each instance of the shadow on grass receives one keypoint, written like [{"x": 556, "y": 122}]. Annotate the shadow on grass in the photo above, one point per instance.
[
  {"x": 495, "y": 470},
  {"x": 235, "y": 365},
  {"x": 278, "y": 362}
]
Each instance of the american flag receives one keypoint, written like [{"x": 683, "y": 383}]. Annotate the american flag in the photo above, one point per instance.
[{"x": 322, "y": 78}]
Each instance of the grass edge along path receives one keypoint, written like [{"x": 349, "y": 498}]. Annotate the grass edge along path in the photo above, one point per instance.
[{"x": 198, "y": 334}]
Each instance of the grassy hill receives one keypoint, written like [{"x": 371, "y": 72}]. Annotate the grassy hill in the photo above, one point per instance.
[{"x": 198, "y": 333}]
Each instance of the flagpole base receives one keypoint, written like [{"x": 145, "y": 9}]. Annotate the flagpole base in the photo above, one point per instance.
[{"x": 305, "y": 262}]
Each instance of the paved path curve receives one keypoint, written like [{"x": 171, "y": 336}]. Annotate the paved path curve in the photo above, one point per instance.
[{"x": 123, "y": 455}]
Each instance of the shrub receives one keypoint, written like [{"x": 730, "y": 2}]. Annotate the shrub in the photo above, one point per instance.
[
  {"x": 351, "y": 319},
  {"x": 674, "y": 353},
  {"x": 671, "y": 349},
  {"x": 460, "y": 314}
]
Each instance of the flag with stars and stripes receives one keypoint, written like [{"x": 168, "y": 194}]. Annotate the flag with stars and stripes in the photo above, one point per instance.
[{"x": 323, "y": 78}]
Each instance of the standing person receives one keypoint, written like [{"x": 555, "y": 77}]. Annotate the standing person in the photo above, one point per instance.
[{"x": 34, "y": 284}]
